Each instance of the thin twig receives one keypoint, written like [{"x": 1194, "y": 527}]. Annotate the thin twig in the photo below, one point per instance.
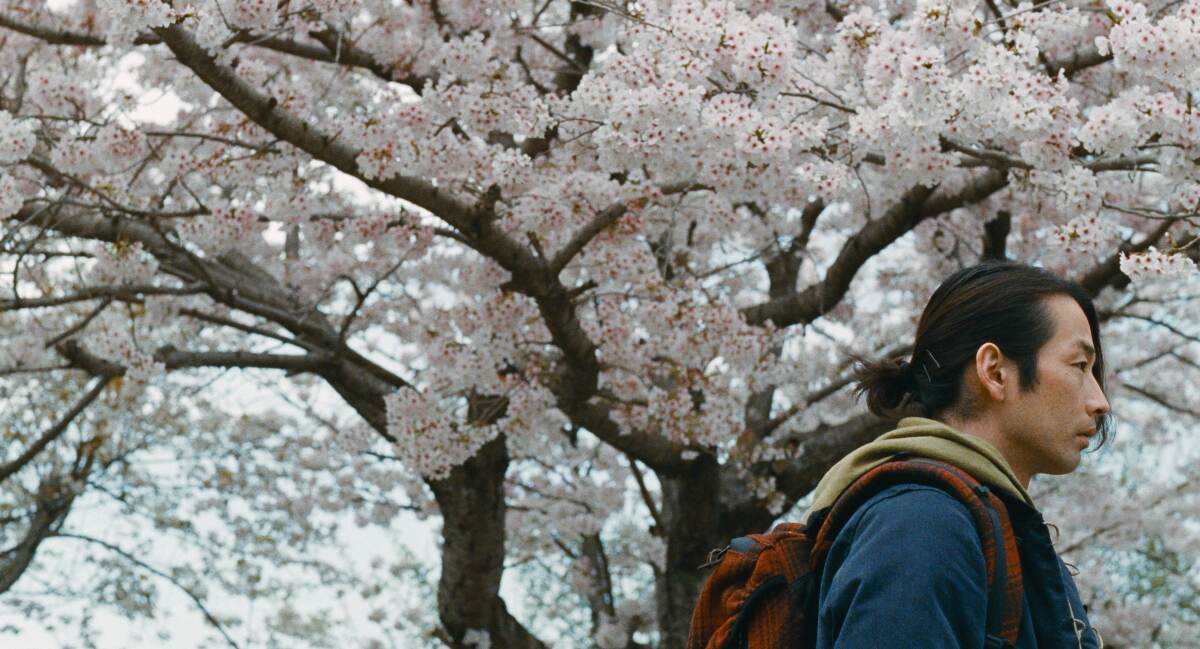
[
  {"x": 646, "y": 496},
  {"x": 212, "y": 619}
]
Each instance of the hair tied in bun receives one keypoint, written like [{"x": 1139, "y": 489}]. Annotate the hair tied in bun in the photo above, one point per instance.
[{"x": 908, "y": 377}]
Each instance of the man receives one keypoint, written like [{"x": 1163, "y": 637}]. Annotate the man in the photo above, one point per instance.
[{"x": 1007, "y": 375}]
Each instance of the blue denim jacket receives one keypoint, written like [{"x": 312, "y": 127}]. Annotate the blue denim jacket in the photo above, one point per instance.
[{"x": 907, "y": 571}]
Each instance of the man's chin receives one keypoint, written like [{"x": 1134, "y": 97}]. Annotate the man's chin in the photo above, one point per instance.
[{"x": 1062, "y": 467}]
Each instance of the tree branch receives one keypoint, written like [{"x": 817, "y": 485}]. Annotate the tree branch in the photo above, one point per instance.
[
  {"x": 258, "y": 331},
  {"x": 54, "y": 431},
  {"x": 995, "y": 236},
  {"x": 1154, "y": 321},
  {"x": 328, "y": 49},
  {"x": 529, "y": 272},
  {"x": 79, "y": 326},
  {"x": 1080, "y": 59},
  {"x": 175, "y": 359},
  {"x": 212, "y": 619},
  {"x": 55, "y": 495},
  {"x": 98, "y": 292},
  {"x": 236, "y": 283},
  {"x": 1160, "y": 400},
  {"x": 54, "y": 501},
  {"x": 600, "y": 593},
  {"x": 1005, "y": 160},
  {"x": 822, "y": 448},
  {"x": 647, "y": 498},
  {"x": 917, "y": 205},
  {"x": 1139, "y": 509},
  {"x": 65, "y": 37},
  {"x": 1109, "y": 273},
  {"x": 602, "y": 220},
  {"x": 265, "y": 112}
]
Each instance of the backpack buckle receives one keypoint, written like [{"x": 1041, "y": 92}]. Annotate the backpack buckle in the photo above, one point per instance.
[
  {"x": 714, "y": 557},
  {"x": 995, "y": 642}
]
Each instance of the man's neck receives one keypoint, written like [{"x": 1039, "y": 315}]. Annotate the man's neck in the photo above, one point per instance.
[{"x": 989, "y": 431}]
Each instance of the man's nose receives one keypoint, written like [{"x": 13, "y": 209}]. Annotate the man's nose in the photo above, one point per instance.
[{"x": 1097, "y": 403}]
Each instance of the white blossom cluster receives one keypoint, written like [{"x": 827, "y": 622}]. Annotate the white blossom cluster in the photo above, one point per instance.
[
  {"x": 16, "y": 142},
  {"x": 1086, "y": 234},
  {"x": 1156, "y": 264},
  {"x": 16, "y": 138}
]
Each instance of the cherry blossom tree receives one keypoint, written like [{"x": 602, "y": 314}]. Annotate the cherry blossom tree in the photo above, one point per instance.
[{"x": 576, "y": 283}]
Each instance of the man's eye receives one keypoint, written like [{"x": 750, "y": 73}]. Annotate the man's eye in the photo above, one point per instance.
[{"x": 1082, "y": 366}]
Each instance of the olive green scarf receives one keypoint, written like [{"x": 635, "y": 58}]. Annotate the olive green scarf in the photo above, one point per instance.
[{"x": 922, "y": 438}]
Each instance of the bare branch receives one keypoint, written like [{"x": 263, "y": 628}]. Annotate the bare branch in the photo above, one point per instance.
[
  {"x": 78, "y": 326},
  {"x": 647, "y": 498},
  {"x": 45, "y": 166},
  {"x": 1004, "y": 160},
  {"x": 917, "y": 205},
  {"x": 1161, "y": 400},
  {"x": 128, "y": 292},
  {"x": 258, "y": 331},
  {"x": 600, "y": 592},
  {"x": 845, "y": 379},
  {"x": 602, "y": 220},
  {"x": 53, "y": 503},
  {"x": 54, "y": 431},
  {"x": 235, "y": 283},
  {"x": 362, "y": 299},
  {"x": 212, "y": 619},
  {"x": 338, "y": 49},
  {"x": 32, "y": 370},
  {"x": 174, "y": 359},
  {"x": 557, "y": 52},
  {"x": 1122, "y": 520},
  {"x": 819, "y": 298},
  {"x": 55, "y": 495},
  {"x": 1154, "y": 321}
]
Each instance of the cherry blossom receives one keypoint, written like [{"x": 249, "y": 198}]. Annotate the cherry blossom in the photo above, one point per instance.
[
  {"x": 1155, "y": 264},
  {"x": 572, "y": 288}
]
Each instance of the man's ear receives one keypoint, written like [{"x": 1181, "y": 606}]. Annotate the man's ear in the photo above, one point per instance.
[{"x": 990, "y": 370}]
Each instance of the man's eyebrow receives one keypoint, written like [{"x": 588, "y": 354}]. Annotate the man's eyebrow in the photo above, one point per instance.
[{"x": 1086, "y": 348}]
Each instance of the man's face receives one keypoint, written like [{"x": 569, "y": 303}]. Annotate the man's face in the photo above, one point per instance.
[{"x": 1049, "y": 426}]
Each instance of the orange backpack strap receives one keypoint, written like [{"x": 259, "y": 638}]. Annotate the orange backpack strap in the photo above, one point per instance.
[{"x": 1004, "y": 579}]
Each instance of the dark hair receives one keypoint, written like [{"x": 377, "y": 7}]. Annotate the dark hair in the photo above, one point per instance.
[{"x": 1001, "y": 302}]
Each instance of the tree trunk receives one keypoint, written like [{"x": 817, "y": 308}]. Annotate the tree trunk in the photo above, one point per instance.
[
  {"x": 471, "y": 499},
  {"x": 691, "y": 513}
]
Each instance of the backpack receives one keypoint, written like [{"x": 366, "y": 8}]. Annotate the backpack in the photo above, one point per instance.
[{"x": 763, "y": 591}]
